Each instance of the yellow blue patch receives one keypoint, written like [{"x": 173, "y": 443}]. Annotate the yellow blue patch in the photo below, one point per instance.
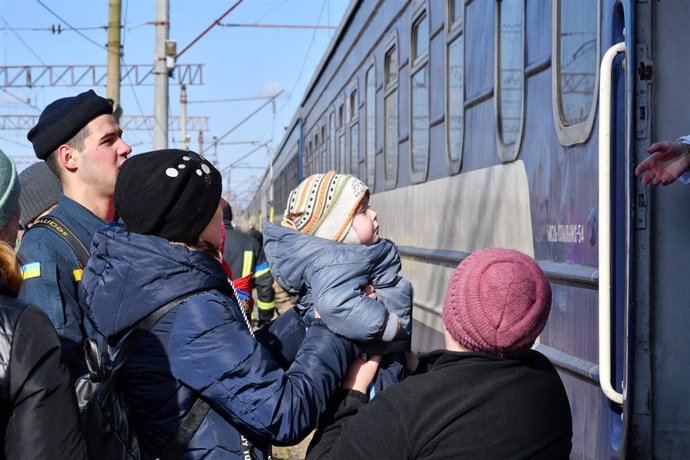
[{"x": 32, "y": 270}]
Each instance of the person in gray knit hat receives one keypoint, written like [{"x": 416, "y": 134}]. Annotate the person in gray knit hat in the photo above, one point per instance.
[
  {"x": 41, "y": 190},
  {"x": 81, "y": 142},
  {"x": 9, "y": 200}
]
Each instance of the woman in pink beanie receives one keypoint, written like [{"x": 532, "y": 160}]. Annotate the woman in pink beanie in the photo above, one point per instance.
[{"x": 486, "y": 395}]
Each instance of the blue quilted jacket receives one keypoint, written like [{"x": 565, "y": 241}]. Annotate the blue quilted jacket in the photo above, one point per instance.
[
  {"x": 330, "y": 275},
  {"x": 203, "y": 347}
]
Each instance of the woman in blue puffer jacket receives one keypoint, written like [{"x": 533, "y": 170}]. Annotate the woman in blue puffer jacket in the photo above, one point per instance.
[{"x": 168, "y": 247}]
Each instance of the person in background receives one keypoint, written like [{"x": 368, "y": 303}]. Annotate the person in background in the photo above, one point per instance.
[
  {"x": 249, "y": 267},
  {"x": 487, "y": 395},
  {"x": 255, "y": 232},
  {"x": 10, "y": 189},
  {"x": 38, "y": 407},
  {"x": 667, "y": 162},
  {"x": 167, "y": 249},
  {"x": 81, "y": 142},
  {"x": 327, "y": 247},
  {"x": 41, "y": 190}
]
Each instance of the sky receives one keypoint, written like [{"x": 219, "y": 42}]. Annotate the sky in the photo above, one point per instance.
[{"x": 238, "y": 62}]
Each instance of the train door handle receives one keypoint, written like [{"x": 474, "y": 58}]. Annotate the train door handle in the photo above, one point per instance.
[{"x": 605, "y": 361}]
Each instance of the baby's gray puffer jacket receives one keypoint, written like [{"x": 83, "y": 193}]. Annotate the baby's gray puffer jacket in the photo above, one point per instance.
[{"x": 330, "y": 276}]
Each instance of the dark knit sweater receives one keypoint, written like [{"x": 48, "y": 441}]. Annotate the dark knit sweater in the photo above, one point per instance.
[{"x": 467, "y": 405}]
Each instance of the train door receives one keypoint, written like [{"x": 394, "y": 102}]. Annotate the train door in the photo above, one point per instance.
[{"x": 659, "y": 402}]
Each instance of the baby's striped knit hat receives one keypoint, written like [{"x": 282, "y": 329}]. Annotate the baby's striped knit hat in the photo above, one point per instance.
[{"x": 324, "y": 205}]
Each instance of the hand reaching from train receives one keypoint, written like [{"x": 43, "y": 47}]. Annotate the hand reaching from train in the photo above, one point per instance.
[
  {"x": 666, "y": 162},
  {"x": 361, "y": 373}
]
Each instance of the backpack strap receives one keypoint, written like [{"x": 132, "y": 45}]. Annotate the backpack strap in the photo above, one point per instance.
[
  {"x": 188, "y": 427},
  {"x": 191, "y": 422},
  {"x": 139, "y": 330},
  {"x": 57, "y": 226}
]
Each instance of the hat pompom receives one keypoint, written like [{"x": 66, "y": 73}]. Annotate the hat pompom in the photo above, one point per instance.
[{"x": 497, "y": 302}]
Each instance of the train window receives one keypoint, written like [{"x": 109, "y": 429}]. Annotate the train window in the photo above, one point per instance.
[
  {"x": 317, "y": 149},
  {"x": 419, "y": 97},
  {"x": 455, "y": 86},
  {"x": 455, "y": 11},
  {"x": 354, "y": 131},
  {"x": 324, "y": 153},
  {"x": 576, "y": 51},
  {"x": 390, "y": 115},
  {"x": 331, "y": 139},
  {"x": 342, "y": 164},
  {"x": 370, "y": 157},
  {"x": 510, "y": 77}
]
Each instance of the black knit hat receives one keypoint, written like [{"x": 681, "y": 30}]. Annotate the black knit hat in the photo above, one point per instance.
[
  {"x": 168, "y": 193},
  {"x": 41, "y": 189},
  {"x": 64, "y": 118}
]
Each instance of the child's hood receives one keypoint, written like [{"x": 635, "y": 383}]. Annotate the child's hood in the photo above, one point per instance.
[{"x": 293, "y": 256}]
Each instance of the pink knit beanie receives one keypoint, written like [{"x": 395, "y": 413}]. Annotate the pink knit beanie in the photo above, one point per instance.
[{"x": 497, "y": 302}]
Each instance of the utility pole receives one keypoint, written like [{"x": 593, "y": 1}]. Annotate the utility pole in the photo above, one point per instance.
[
  {"x": 160, "y": 129},
  {"x": 112, "y": 90},
  {"x": 201, "y": 142},
  {"x": 183, "y": 117}
]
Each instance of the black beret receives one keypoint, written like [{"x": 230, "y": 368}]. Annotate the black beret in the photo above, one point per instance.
[
  {"x": 64, "y": 118},
  {"x": 168, "y": 193}
]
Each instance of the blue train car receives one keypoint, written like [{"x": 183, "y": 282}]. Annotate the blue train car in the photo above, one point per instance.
[{"x": 518, "y": 123}]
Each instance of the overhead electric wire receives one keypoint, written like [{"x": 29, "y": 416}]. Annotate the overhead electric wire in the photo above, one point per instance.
[
  {"x": 227, "y": 133},
  {"x": 21, "y": 100},
  {"x": 52, "y": 28},
  {"x": 304, "y": 62},
  {"x": 22, "y": 40},
  {"x": 213, "y": 24},
  {"x": 71, "y": 27},
  {"x": 277, "y": 26}
]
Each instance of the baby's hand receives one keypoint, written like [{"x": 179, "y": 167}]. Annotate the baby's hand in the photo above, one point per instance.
[{"x": 370, "y": 291}]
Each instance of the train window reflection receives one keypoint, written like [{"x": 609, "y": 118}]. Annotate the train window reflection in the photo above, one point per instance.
[
  {"x": 577, "y": 48},
  {"x": 390, "y": 115},
  {"x": 370, "y": 132},
  {"x": 510, "y": 76}
]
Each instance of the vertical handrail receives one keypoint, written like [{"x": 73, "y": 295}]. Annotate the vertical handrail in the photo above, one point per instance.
[{"x": 605, "y": 361}]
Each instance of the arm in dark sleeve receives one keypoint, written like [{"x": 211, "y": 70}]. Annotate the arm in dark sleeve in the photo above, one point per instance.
[
  {"x": 214, "y": 354},
  {"x": 44, "y": 421},
  {"x": 283, "y": 336}
]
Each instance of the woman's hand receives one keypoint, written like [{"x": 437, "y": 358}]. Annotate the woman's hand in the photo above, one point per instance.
[
  {"x": 361, "y": 373},
  {"x": 370, "y": 291}
]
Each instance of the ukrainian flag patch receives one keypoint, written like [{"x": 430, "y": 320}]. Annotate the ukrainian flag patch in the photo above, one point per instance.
[{"x": 32, "y": 270}]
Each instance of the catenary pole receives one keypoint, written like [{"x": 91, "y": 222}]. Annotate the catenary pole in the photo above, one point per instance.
[
  {"x": 160, "y": 129},
  {"x": 112, "y": 90}
]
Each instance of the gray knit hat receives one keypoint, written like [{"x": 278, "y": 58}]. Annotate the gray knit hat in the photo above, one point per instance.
[
  {"x": 41, "y": 189},
  {"x": 9, "y": 188}
]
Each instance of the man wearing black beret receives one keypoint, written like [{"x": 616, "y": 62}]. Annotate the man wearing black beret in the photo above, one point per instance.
[{"x": 81, "y": 142}]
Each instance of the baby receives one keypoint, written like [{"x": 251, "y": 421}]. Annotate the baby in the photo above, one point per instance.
[{"x": 328, "y": 252}]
